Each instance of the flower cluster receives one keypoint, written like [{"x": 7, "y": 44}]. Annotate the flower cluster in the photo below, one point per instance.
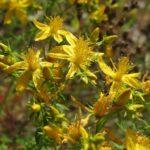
[{"x": 61, "y": 119}]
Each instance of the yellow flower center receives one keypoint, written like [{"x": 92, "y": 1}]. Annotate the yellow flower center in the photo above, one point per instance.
[
  {"x": 56, "y": 24},
  {"x": 143, "y": 140},
  {"x": 82, "y": 53},
  {"x": 118, "y": 77}
]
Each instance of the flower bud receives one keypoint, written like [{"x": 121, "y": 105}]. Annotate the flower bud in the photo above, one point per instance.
[
  {"x": 53, "y": 132},
  {"x": 36, "y": 107}
]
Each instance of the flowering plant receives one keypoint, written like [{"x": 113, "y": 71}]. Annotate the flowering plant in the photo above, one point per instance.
[{"x": 66, "y": 80}]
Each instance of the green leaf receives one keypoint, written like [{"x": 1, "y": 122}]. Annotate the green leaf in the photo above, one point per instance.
[{"x": 101, "y": 122}]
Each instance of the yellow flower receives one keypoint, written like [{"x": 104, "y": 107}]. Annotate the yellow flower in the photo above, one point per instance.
[
  {"x": 17, "y": 8},
  {"x": 53, "y": 28},
  {"x": 135, "y": 141},
  {"x": 31, "y": 67},
  {"x": 120, "y": 75},
  {"x": 80, "y": 55},
  {"x": 53, "y": 132},
  {"x": 111, "y": 102},
  {"x": 103, "y": 105},
  {"x": 74, "y": 132}
]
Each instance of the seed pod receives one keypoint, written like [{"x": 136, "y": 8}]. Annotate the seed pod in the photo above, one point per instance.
[
  {"x": 123, "y": 97},
  {"x": 110, "y": 39},
  {"x": 95, "y": 35}
]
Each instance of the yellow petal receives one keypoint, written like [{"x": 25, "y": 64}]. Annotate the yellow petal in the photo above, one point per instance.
[
  {"x": 40, "y": 25},
  {"x": 105, "y": 68},
  {"x": 69, "y": 36},
  {"x": 135, "y": 141},
  {"x": 38, "y": 80},
  {"x": 42, "y": 35},
  {"x": 58, "y": 38},
  {"x": 83, "y": 133},
  {"x": 58, "y": 55},
  {"x": 133, "y": 75},
  {"x": 130, "y": 140},
  {"x": 17, "y": 66},
  {"x": 131, "y": 82},
  {"x": 68, "y": 49},
  {"x": 90, "y": 74},
  {"x": 48, "y": 64},
  {"x": 73, "y": 69}
]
